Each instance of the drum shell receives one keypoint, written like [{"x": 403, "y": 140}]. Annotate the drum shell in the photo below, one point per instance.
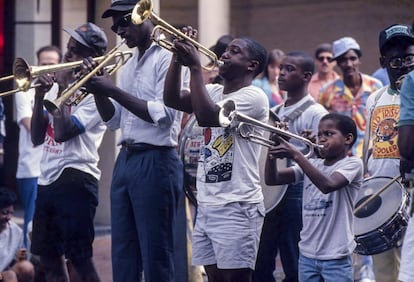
[{"x": 383, "y": 226}]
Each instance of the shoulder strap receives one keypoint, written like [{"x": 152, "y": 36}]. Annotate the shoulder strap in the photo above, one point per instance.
[
  {"x": 299, "y": 110},
  {"x": 296, "y": 113}
]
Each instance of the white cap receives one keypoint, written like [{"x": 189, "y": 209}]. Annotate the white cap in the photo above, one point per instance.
[{"x": 343, "y": 45}]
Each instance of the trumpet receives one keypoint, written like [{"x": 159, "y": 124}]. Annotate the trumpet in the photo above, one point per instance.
[
  {"x": 143, "y": 11},
  {"x": 54, "y": 107},
  {"x": 228, "y": 115}
]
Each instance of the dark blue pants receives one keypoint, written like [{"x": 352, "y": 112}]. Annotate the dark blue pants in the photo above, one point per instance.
[
  {"x": 281, "y": 234},
  {"x": 145, "y": 193}
]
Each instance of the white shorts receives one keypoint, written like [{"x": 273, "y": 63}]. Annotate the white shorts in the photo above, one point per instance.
[
  {"x": 228, "y": 235},
  {"x": 407, "y": 254}
]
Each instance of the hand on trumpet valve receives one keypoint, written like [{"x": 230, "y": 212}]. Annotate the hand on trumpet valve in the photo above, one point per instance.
[
  {"x": 99, "y": 83},
  {"x": 190, "y": 32},
  {"x": 185, "y": 52},
  {"x": 281, "y": 148},
  {"x": 309, "y": 134}
]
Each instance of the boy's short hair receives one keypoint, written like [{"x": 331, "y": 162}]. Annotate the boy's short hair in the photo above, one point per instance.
[
  {"x": 344, "y": 124},
  {"x": 7, "y": 198},
  {"x": 306, "y": 62},
  {"x": 256, "y": 52}
]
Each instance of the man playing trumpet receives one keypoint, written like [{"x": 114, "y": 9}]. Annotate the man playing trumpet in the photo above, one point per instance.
[
  {"x": 230, "y": 201},
  {"x": 63, "y": 229}
]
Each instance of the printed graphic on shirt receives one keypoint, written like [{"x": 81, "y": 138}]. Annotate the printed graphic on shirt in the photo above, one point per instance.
[
  {"x": 217, "y": 155},
  {"x": 316, "y": 207},
  {"x": 51, "y": 146},
  {"x": 384, "y": 132}
]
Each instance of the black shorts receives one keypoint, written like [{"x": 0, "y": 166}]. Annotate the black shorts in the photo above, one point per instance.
[{"x": 63, "y": 222}]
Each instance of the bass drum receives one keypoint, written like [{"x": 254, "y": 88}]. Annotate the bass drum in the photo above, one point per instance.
[{"x": 190, "y": 143}]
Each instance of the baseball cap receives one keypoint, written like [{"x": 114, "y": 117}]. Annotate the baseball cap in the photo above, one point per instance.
[
  {"x": 393, "y": 31},
  {"x": 343, "y": 45},
  {"x": 119, "y": 6},
  {"x": 91, "y": 36}
]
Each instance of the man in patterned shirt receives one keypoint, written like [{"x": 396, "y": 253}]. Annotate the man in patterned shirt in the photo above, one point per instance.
[{"x": 348, "y": 95}]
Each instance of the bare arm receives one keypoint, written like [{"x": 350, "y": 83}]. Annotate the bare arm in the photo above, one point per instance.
[
  {"x": 103, "y": 87},
  {"x": 205, "y": 110},
  {"x": 39, "y": 119},
  {"x": 275, "y": 176},
  {"x": 173, "y": 96},
  {"x": 325, "y": 183},
  {"x": 64, "y": 127}
]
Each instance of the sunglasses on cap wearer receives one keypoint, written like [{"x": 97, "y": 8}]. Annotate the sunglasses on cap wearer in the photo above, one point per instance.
[
  {"x": 122, "y": 22},
  {"x": 323, "y": 58},
  {"x": 398, "y": 62}
]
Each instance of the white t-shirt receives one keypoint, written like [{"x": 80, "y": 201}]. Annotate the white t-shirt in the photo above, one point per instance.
[
  {"x": 385, "y": 157},
  {"x": 328, "y": 219},
  {"x": 80, "y": 152},
  {"x": 309, "y": 119},
  {"x": 28, "y": 164},
  {"x": 11, "y": 240},
  {"x": 228, "y": 169}
]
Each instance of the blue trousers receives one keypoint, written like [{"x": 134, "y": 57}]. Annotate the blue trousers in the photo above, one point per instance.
[
  {"x": 281, "y": 234},
  {"x": 27, "y": 191},
  {"x": 145, "y": 193}
]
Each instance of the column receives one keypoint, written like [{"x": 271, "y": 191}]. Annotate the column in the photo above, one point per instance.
[{"x": 213, "y": 20}]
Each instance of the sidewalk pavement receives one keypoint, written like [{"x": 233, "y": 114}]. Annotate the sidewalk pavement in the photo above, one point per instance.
[
  {"x": 101, "y": 247},
  {"x": 102, "y": 250}
]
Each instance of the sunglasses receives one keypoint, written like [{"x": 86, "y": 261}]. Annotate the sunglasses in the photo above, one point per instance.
[
  {"x": 398, "y": 62},
  {"x": 323, "y": 58},
  {"x": 122, "y": 22}
]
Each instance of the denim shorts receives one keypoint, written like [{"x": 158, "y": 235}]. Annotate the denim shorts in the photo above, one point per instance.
[
  {"x": 228, "y": 235},
  {"x": 333, "y": 270}
]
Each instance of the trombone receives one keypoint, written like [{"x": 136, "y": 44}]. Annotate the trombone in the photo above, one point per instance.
[
  {"x": 24, "y": 74},
  {"x": 54, "y": 107},
  {"x": 143, "y": 10},
  {"x": 228, "y": 115}
]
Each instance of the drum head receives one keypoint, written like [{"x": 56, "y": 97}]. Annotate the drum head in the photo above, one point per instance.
[
  {"x": 382, "y": 208},
  {"x": 272, "y": 194},
  {"x": 190, "y": 144}
]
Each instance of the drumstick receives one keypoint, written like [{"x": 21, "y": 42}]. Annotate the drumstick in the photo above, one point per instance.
[{"x": 367, "y": 201}]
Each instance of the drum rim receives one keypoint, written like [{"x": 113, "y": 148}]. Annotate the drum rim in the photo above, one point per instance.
[{"x": 404, "y": 199}]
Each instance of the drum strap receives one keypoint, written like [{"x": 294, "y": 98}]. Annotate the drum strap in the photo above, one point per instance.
[
  {"x": 296, "y": 113},
  {"x": 293, "y": 115}
]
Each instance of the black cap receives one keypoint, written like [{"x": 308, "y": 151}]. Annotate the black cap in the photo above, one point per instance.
[
  {"x": 396, "y": 30},
  {"x": 118, "y": 6},
  {"x": 91, "y": 36}
]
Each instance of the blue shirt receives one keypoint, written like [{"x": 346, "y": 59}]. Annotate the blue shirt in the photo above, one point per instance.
[{"x": 407, "y": 100}]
